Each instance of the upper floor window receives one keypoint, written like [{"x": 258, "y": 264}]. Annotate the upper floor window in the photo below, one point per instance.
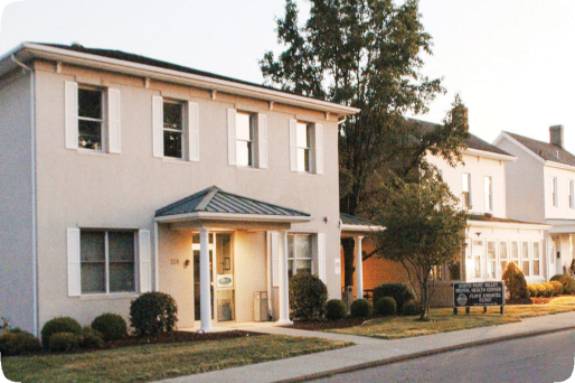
[
  {"x": 246, "y": 139},
  {"x": 572, "y": 194},
  {"x": 488, "y": 193},
  {"x": 90, "y": 118},
  {"x": 555, "y": 192},
  {"x": 466, "y": 191},
  {"x": 174, "y": 131},
  {"x": 304, "y": 146},
  {"x": 299, "y": 254}
]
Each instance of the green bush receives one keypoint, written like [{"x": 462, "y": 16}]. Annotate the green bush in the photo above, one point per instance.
[
  {"x": 360, "y": 309},
  {"x": 91, "y": 338},
  {"x": 64, "y": 342},
  {"x": 18, "y": 343},
  {"x": 307, "y": 295},
  {"x": 567, "y": 281},
  {"x": 533, "y": 290},
  {"x": 111, "y": 326},
  {"x": 152, "y": 314},
  {"x": 557, "y": 287},
  {"x": 385, "y": 306},
  {"x": 410, "y": 308},
  {"x": 515, "y": 284},
  {"x": 398, "y": 291},
  {"x": 335, "y": 309},
  {"x": 59, "y": 324}
]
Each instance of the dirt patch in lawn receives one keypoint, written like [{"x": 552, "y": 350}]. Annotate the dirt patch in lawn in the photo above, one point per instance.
[{"x": 325, "y": 324}]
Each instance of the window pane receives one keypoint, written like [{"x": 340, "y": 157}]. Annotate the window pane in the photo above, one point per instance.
[
  {"x": 302, "y": 135},
  {"x": 303, "y": 266},
  {"x": 92, "y": 257},
  {"x": 122, "y": 276},
  {"x": 121, "y": 246},
  {"x": 302, "y": 246},
  {"x": 244, "y": 153},
  {"x": 172, "y": 116},
  {"x": 93, "y": 277},
  {"x": 173, "y": 144},
  {"x": 243, "y": 126},
  {"x": 302, "y": 160},
  {"x": 90, "y": 134},
  {"x": 491, "y": 259},
  {"x": 536, "y": 268},
  {"x": 90, "y": 103},
  {"x": 92, "y": 248}
]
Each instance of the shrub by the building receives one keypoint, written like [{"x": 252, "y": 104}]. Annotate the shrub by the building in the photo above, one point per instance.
[
  {"x": 557, "y": 287},
  {"x": 91, "y": 338},
  {"x": 567, "y": 281},
  {"x": 64, "y": 342},
  {"x": 152, "y": 314},
  {"x": 307, "y": 294},
  {"x": 18, "y": 342},
  {"x": 360, "y": 308},
  {"x": 335, "y": 309},
  {"x": 410, "y": 308},
  {"x": 385, "y": 306},
  {"x": 398, "y": 291},
  {"x": 111, "y": 326},
  {"x": 57, "y": 325},
  {"x": 516, "y": 284}
]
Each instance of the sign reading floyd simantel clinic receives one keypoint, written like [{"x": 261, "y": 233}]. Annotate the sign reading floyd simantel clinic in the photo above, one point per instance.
[{"x": 478, "y": 294}]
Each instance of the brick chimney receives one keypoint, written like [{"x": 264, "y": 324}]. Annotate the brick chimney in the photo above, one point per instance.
[{"x": 556, "y": 135}]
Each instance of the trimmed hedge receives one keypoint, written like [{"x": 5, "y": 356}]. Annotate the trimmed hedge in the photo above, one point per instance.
[
  {"x": 335, "y": 309},
  {"x": 307, "y": 296},
  {"x": 91, "y": 338},
  {"x": 110, "y": 326},
  {"x": 567, "y": 281},
  {"x": 64, "y": 342},
  {"x": 516, "y": 284},
  {"x": 385, "y": 306},
  {"x": 18, "y": 343},
  {"x": 57, "y": 325},
  {"x": 360, "y": 309},
  {"x": 398, "y": 291},
  {"x": 410, "y": 308},
  {"x": 152, "y": 314},
  {"x": 546, "y": 289}
]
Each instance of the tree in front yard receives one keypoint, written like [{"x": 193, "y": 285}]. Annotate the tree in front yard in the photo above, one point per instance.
[
  {"x": 366, "y": 54},
  {"x": 424, "y": 228}
]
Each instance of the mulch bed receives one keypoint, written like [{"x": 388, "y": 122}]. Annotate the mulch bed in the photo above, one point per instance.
[
  {"x": 179, "y": 337},
  {"x": 325, "y": 324}
]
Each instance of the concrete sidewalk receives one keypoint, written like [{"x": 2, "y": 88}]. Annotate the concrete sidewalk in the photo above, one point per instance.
[{"x": 371, "y": 351}]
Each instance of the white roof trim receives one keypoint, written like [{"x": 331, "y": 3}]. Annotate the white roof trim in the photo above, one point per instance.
[
  {"x": 487, "y": 154},
  {"x": 558, "y": 165},
  {"x": 227, "y": 217},
  {"x": 174, "y": 76},
  {"x": 362, "y": 228},
  {"x": 508, "y": 225}
]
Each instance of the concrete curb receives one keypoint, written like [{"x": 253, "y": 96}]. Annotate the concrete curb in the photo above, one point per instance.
[{"x": 421, "y": 354}]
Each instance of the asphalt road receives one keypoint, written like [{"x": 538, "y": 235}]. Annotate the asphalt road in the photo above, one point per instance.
[{"x": 541, "y": 359}]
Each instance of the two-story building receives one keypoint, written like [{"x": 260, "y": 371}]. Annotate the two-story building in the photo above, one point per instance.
[
  {"x": 541, "y": 187},
  {"x": 122, "y": 174}
]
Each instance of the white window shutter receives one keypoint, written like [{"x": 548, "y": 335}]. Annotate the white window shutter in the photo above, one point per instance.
[
  {"x": 73, "y": 253},
  {"x": 158, "y": 126},
  {"x": 114, "y": 121},
  {"x": 232, "y": 137},
  {"x": 321, "y": 256},
  {"x": 262, "y": 137},
  {"x": 318, "y": 142},
  {"x": 293, "y": 145},
  {"x": 71, "y": 114},
  {"x": 145, "y": 260},
  {"x": 193, "y": 131}
]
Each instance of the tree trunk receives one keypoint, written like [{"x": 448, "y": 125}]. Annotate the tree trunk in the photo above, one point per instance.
[
  {"x": 424, "y": 316},
  {"x": 348, "y": 257}
]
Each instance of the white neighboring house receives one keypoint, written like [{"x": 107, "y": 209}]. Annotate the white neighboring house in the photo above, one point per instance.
[
  {"x": 492, "y": 239},
  {"x": 541, "y": 187}
]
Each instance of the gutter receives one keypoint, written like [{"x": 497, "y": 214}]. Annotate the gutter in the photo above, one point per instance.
[{"x": 227, "y": 217}]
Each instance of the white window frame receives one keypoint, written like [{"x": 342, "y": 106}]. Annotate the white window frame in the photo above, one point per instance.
[
  {"x": 572, "y": 194},
  {"x": 101, "y": 120},
  {"x": 491, "y": 261},
  {"x": 515, "y": 253},
  {"x": 488, "y": 193},
  {"x": 293, "y": 257},
  {"x": 536, "y": 251},
  {"x": 310, "y": 149},
  {"x": 107, "y": 263},
  {"x": 183, "y": 132},
  {"x": 466, "y": 184},
  {"x": 503, "y": 248},
  {"x": 252, "y": 141},
  {"x": 525, "y": 247},
  {"x": 555, "y": 192}
]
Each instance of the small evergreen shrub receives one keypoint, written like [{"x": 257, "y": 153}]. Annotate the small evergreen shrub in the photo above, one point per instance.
[
  {"x": 515, "y": 284},
  {"x": 335, "y": 309},
  {"x": 385, "y": 306},
  {"x": 60, "y": 324},
  {"x": 557, "y": 287},
  {"x": 398, "y": 291},
  {"x": 360, "y": 309},
  {"x": 64, "y": 342},
  {"x": 567, "y": 281},
  {"x": 91, "y": 338},
  {"x": 111, "y": 326},
  {"x": 410, "y": 308},
  {"x": 18, "y": 343},
  {"x": 152, "y": 314},
  {"x": 533, "y": 290},
  {"x": 307, "y": 294}
]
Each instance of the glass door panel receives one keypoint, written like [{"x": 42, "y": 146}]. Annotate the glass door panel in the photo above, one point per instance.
[{"x": 225, "y": 283}]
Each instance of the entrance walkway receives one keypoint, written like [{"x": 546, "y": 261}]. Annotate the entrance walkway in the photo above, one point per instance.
[{"x": 371, "y": 351}]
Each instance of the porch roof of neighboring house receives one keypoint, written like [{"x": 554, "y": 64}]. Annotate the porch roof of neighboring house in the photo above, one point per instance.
[
  {"x": 351, "y": 224},
  {"x": 216, "y": 204},
  {"x": 561, "y": 226},
  {"x": 545, "y": 150},
  {"x": 490, "y": 219}
]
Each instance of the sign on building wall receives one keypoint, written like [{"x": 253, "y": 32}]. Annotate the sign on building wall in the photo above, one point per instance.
[{"x": 481, "y": 294}]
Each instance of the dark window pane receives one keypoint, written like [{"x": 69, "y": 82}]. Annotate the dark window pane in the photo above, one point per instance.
[
  {"x": 172, "y": 116},
  {"x": 92, "y": 248},
  {"x": 90, "y": 103},
  {"x": 121, "y": 246},
  {"x": 93, "y": 277},
  {"x": 173, "y": 144},
  {"x": 92, "y": 256},
  {"x": 90, "y": 135},
  {"x": 122, "y": 276}
]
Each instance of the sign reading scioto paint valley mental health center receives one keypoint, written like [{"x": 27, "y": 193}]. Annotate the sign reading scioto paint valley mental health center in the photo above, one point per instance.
[{"x": 478, "y": 294}]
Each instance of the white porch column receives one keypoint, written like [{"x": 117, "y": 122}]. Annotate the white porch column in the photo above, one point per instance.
[
  {"x": 359, "y": 266},
  {"x": 205, "y": 293},
  {"x": 283, "y": 282}
]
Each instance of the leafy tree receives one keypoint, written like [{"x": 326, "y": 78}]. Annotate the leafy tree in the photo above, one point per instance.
[
  {"x": 366, "y": 54},
  {"x": 424, "y": 228}
]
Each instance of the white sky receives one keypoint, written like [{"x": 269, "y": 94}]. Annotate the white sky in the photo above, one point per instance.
[{"x": 512, "y": 61}]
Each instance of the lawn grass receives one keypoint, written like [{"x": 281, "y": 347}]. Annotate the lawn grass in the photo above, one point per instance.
[
  {"x": 159, "y": 361},
  {"x": 443, "y": 320}
]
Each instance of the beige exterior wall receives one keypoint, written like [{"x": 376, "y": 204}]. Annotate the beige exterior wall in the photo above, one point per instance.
[
  {"x": 88, "y": 190},
  {"x": 563, "y": 176}
]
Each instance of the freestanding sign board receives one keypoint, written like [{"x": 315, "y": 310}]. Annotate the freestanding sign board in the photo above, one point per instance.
[{"x": 478, "y": 294}]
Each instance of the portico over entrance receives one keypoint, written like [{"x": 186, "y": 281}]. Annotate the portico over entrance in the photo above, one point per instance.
[{"x": 224, "y": 257}]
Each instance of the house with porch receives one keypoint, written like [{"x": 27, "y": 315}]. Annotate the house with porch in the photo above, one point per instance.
[
  {"x": 541, "y": 187},
  {"x": 123, "y": 174}
]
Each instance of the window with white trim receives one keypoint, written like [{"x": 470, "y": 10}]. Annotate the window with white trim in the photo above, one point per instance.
[
  {"x": 174, "y": 129},
  {"x": 107, "y": 261},
  {"x": 491, "y": 259},
  {"x": 555, "y": 192},
  {"x": 515, "y": 253},
  {"x": 536, "y": 259},
  {"x": 91, "y": 118},
  {"x": 466, "y": 191},
  {"x": 246, "y": 139},
  {"x": 525, "y": 259},
  {"x": 305, "y": 146},
  {"x": 300, "y": 254},
  {"x": 503, "y": 256},
  {"x": 488, "y": 193}
]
